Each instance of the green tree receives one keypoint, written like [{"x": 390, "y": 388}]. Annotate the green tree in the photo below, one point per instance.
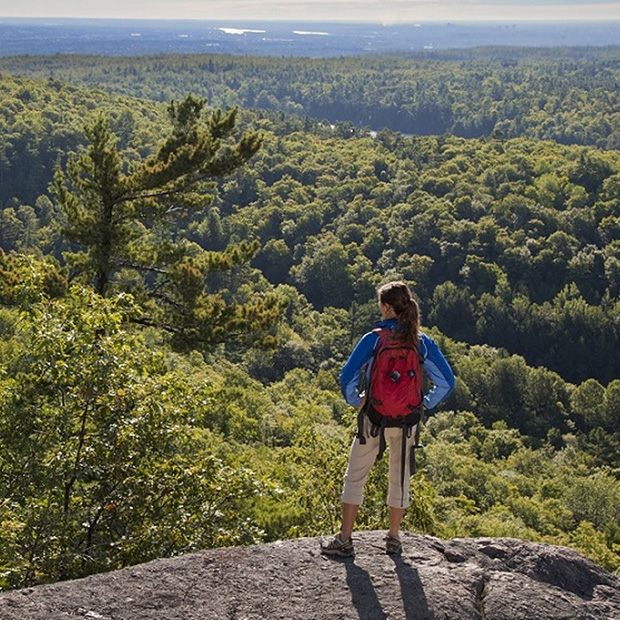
[
  {"x": 595, "y": 498},
  {"x": 275, "y": 260},
  {"x": 591, "y": 171},
  {"x": 101, "y": 463},
  {"x": 587, "y": 403},
  {"x": 611, "y": 406},
  {"x": 121, "y": 214},
  {"x": 452, "y": 311},
  {"x": 323, "y": 274}
]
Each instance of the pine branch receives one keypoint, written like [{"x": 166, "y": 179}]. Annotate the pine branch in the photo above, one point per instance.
[
  {"x": 147, "y": 322},
  {"x": 129, "y": 265}
]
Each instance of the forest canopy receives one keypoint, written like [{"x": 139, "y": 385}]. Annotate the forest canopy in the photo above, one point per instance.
[
  {"x": 117, "y": 445},
  {"x": 569, "y": 95},
  {"x": 512, "y": 243}
]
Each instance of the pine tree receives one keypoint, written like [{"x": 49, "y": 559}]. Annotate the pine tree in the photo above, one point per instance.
[{"x": 122, "y": 217}]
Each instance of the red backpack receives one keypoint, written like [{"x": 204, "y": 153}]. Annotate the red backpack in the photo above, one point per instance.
[
  {"x": 396, "y": 379},
  {"x": 394, "y": 395}
]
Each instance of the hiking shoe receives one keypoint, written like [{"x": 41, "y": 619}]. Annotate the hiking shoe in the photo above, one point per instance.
[
  {"x": 339, "y": 547},
  {"x": 393, "y": 546}
]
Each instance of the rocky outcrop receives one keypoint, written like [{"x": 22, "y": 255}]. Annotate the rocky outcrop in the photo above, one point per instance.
[{"x": 485, "y": 578}]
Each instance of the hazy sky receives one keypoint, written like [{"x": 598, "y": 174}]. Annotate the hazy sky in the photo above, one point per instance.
[{"x": 386, "y": 11}]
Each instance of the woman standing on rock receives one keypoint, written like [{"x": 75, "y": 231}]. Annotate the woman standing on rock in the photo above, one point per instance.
[{"x": 383, "y": 377}]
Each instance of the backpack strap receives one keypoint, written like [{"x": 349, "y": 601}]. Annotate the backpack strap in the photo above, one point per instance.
[
  {"x": 407, "y": 425},
  {"x": 360, "y": 425},
  {"x": 380, "y": 430},
  {"x": 416, "y": 443},
  {"x": 406, "y": 434},
  {"x": 403, "y": 460}
]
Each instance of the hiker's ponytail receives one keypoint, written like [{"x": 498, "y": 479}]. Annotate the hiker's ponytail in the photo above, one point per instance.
[
  {"x": 398, "y": 295},
  {"x": 409, "y": 320}
]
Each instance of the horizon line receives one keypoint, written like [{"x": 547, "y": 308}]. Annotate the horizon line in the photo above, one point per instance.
[{"x": 384, "y": 23}]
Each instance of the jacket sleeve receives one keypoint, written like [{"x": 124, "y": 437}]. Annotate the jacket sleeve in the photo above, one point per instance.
[
  {"x": 350, "y": 373},
  {"x": 439, "y": 372}
]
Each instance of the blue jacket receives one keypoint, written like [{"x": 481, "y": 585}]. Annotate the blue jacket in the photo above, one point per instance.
[{"x": 435, "y": 367}]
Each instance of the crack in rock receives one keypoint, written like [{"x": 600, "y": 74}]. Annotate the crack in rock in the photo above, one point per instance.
[{"x": 481, "y": 593}]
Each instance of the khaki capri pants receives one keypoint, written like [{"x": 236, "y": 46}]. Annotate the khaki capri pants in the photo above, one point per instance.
[{"x": 362, "y": 458}]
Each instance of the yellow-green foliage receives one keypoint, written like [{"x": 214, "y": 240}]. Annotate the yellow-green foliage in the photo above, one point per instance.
[{"x": 152, "y": 420}]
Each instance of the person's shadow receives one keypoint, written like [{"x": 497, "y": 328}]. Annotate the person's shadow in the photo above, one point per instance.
[
  {"x": 366, "y": 601},
  {"x": 412, "y": 591},
  {"x": 363, "y": 594}
]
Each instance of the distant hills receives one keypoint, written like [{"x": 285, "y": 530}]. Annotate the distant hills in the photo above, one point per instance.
[{"x": 136, "y": 37}]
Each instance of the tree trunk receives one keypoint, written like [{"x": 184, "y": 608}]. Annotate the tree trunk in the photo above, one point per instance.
[{"x": 102, "y": 276}]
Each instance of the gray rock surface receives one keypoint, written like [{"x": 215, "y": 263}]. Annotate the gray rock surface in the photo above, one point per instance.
[{"x": 489, "y": 579}]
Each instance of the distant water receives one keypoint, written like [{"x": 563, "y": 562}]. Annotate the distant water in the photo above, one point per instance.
[{"x": 134, "y": 37}]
